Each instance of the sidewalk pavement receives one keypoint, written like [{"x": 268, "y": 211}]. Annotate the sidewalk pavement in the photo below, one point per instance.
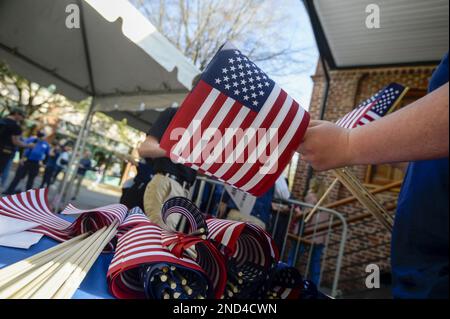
[{"x": 89, "y": 196}]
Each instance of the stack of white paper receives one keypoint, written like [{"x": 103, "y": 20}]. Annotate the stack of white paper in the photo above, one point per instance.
[{"x": 13, "y": 233}]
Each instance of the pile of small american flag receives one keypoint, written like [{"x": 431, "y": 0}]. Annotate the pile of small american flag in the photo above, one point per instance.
[
  {"x": 214, "y": 258},
  {"x": 57, "y": 272}
]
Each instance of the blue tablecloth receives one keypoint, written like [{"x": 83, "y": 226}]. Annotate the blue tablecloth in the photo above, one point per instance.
[{"x": 94, "y": 285}]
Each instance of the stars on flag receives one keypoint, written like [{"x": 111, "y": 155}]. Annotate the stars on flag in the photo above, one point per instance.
[{"x": 241, "y": 79}]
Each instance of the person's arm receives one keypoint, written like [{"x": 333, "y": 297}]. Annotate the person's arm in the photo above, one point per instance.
[
  {"x": 282, "y": 189},
  {"x": 416, "y": 132},
  {"x": 17, "y": 142},
  {"x": 150, "y": 148}
]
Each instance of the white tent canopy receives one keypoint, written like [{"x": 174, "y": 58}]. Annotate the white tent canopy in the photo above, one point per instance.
[
  {"x": 116, "y": 56},
  {"x": 410, "y": 32}
]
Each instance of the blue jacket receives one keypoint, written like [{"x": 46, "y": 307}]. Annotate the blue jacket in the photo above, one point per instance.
[
  {"x": 38, "y": 152},
  {"x": 420, "y": 241}
]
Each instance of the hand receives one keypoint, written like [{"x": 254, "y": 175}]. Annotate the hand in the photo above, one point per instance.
[
  {"x": 31, "y": 145},
  {"x": 297, "y": 213},
  {"x": 325, "y": 146},
  {"x": 221, "y": 209}
]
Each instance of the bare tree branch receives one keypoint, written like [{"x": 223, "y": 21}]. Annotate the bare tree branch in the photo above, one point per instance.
[{"x": 199, "y": 27}]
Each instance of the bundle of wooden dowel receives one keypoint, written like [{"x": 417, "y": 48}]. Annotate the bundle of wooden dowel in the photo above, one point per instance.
[
  {"x": 55, "y": 273},
  {"x": 367, "y": 199}
]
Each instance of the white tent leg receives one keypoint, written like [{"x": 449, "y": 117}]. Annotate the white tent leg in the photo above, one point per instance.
[
  {"x": 79, "y": 155},
  {"x": 76, "y": 148}
]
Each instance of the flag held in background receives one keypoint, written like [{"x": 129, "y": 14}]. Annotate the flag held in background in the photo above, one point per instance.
[
  {"x": 237, "y": 125},
  {"x": 383, "y": 102}
]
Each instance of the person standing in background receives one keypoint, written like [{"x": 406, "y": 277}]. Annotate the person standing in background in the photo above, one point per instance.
[
  {"x": 317, "y": 240},
  {"x": 50, "y": 165},
  {"x": 170, "y": 179},
  {"x": 30, "y": 167},
  {"x": 10, "y": 133},
  {"x": 84, "y": 166},
  {"x": 62, "y": 161},
  {"x": 98, "y": 175},
  {"x": 133, "y": 195}
]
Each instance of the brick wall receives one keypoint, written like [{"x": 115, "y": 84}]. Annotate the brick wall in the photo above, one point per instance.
[{"x": 367, "y": 242}]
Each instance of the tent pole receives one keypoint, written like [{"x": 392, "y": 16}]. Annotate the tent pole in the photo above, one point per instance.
[
  {"x": 79, "y": 155},
  {"x": 72, "y": 161}
]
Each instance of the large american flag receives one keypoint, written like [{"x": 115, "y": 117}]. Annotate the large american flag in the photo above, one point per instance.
[
  {"x": 233, "y": 93},
  {"x": 375, "y": 107}
]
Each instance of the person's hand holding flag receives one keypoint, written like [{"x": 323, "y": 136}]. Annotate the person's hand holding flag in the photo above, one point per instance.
[
  {"x": 326, "y": 145},
  {"x": 237, "y": 125}
]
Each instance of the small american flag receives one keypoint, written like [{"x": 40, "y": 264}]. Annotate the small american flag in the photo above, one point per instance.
[
  {"x": 217, "y": 258},
  {"x": 140, "y": 246},
  {"x": 234, "y": 95},
  {"x": 33, "y": 206},
  {"x": 251, "y": 254},
  {"x": 134, "y": 217},
  {"x": 375, "y": 107},
  {"x": 147, "y": 252},
  {"x": 286, "y": 283}
]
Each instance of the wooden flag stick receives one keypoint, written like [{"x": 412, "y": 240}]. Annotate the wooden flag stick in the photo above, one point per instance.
[
  {"x": 71, "y": 284},
  {"x": 29, "y": 291},
  {"x": 14, "y": 286},
  {"x": 364, "y": 197},
  {"x": 308, "y": 217},
  {"x": 10, "y": 272},
  {"x": 61, "y": 274},
  {"x": 370, "y": 196},
  {"x": 22, "y": 268},
  {"x": 367, "y": 199}
]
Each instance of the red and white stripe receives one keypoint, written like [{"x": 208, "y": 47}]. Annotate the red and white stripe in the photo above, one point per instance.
[
  {"x": 131, "y": 221},
  {"x": 93, "y": 219},
  {"x": 358, "y": 116},
  {"x": 141, "y": 245},
  {"x": 33, "y": 206},
  {"x": 244, "y": 242},
  {"x": 213, "y": 109}
]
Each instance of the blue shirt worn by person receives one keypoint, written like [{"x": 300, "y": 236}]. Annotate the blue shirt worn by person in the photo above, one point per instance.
[
  {"x": 144, "y": 172},
  {"x": 51, "y": 160},
  {"x": 262, "y": 208},
  {"x": 85, "y": 165},
  {"x": 38, "y": 152},
  {"x": 420, "y": 240}
]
